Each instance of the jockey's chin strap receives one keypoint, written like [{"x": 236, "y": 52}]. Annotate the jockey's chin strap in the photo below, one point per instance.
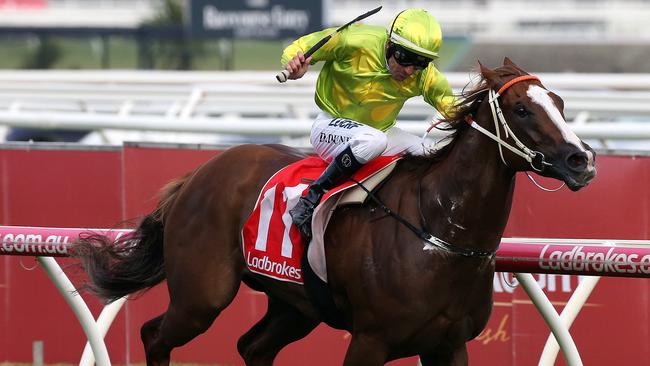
[{"x": 536, "y": 159}]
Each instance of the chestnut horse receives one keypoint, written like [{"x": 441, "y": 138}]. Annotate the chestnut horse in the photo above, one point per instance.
[{"x": 400, "y": 291}]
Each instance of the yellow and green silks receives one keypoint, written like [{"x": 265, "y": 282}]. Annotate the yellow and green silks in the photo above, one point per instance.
[{"x": 355, "y": 82}]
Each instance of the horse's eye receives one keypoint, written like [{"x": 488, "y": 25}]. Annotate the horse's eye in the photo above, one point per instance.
[{"x": 521, "y": 112}]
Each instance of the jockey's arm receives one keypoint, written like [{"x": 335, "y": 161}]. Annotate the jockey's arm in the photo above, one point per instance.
[
  {"x": 437, "y": 92},
  {"x": 293, "y": 59}
]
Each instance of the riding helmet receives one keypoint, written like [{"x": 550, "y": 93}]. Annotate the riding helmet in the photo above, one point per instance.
[{"x": 417, "y": 31}]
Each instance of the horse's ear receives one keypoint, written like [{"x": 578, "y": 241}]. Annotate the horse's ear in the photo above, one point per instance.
[
  {"x": 484, "y": 70},
  {"x": 508, "y": 62},
  {"x": 489, "y": 74}
]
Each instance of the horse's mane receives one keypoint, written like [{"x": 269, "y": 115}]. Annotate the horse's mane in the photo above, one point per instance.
[{"x": 468, "y": 102}]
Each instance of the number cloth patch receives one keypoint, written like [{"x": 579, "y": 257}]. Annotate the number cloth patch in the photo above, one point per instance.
[{"x": 272, "y": 245}]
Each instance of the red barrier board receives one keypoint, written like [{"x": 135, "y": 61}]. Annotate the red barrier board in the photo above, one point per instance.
[
  {"x": 101, "y": 188},
  {"x": 23, "y": 4},
  {"x": 60, "y": 188}
]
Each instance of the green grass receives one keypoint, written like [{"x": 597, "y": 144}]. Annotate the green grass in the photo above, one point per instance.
[
  {"x": 75, "y": 53},
  {"x": 14, "y": 50},
  {"x": 87, "y": 53}
]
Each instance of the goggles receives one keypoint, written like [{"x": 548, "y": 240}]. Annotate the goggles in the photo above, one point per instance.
[{"x": 405, "y": 58}]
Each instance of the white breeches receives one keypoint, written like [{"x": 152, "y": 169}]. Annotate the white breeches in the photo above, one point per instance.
[{"x": 330, "y": 136}]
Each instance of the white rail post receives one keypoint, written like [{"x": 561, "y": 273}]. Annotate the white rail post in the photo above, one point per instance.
[
  {"x": 551, "y": 317},
  {"x": 79, "y": 307},
  {"x": 568, "y": 315},
  {"x": 104, "y": 322}
]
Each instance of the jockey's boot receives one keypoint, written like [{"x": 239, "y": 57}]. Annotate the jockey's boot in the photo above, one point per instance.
[{"x": 337, "y": 172}]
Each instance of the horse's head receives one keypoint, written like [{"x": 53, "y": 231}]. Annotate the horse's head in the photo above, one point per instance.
[{"x": 530, "y": 119}]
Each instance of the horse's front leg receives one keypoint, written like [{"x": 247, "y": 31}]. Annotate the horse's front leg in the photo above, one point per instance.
[
  {"x": 365, "y": 350},
  {"x": 456, "y": 357}
]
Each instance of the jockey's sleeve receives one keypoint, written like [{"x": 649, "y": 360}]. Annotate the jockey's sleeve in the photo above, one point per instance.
[
  {"x": 326, "y": 52},
  {"x": 436, "y": 90}
]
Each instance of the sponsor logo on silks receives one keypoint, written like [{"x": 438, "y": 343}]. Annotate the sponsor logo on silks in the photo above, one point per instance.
[
  {"x": 268, "y": 266},
  {"x": 344, "y": 123},
  {"x": 332, "y": 139},
  {"x": 577, "y": 259}
]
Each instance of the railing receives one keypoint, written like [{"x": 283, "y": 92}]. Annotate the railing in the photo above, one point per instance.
[
  {"x": 624, "y": 258},
  {"x": 601, "y": 106}
]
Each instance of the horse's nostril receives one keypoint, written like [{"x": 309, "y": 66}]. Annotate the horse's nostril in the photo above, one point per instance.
[{"x": 578, "y": 161}]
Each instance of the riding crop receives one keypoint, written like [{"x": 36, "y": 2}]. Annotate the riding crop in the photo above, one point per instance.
[{"x": 283, "y": 75}]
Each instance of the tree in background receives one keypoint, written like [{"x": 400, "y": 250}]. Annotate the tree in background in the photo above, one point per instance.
[
  {"x": 172, "y": 47},
  {"x": 46, "y": 54}
]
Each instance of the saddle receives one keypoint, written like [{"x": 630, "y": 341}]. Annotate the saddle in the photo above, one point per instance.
[{"x": 272, "y": 245}]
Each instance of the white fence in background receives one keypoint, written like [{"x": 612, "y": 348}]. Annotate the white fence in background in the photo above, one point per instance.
[
  {"x": 548, "y": 19},
  {"x": 205, "y": 106}
]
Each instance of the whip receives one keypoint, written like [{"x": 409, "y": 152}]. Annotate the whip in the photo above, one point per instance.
[{"x": 283, "y": 75}]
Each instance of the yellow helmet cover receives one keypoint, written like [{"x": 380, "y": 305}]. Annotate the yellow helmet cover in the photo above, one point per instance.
[{"x": 418, "y": 31}]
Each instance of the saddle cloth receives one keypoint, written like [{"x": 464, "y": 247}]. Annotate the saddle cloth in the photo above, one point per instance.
[{"x": 272, "y": 245}]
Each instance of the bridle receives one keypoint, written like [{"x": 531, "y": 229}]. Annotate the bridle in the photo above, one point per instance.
[{"x": 536, "y": 159}]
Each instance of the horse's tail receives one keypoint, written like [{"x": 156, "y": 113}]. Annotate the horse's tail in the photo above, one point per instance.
[{"x": 132, "y": 263}]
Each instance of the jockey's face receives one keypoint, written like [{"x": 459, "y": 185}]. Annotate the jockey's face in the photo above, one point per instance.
[
  {"x": 398, "y": 71},
  {"x": 403, "y": 63}
]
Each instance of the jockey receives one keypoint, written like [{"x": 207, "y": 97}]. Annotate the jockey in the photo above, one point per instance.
[{"x": 369, "y": 73}]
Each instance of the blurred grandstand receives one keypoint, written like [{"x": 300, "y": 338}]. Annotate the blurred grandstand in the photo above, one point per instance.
[
  {"x": 544, "y": 35},
  {"x": 552, "y": 36}
]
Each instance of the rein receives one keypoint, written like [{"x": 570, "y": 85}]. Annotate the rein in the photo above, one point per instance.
[
  {"x": 536, "y": 159},
  {"x": 423, "y": 234}
]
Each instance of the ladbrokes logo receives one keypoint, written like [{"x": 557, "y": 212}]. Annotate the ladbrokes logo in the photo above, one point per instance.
[
  {"x": 267, "y": 265},
  {"x": 606, "y": 260}
]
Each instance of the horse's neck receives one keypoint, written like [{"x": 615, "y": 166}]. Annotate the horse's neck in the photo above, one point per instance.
[{"x": 466, "y": 198}]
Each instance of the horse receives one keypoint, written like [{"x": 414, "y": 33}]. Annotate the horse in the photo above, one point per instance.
[{"x": 399, "y": 289}]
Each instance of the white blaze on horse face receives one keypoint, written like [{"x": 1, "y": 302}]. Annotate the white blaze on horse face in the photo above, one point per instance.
[{"x": 540, "y": 96}]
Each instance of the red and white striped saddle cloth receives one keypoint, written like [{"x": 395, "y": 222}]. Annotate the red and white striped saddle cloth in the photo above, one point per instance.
[{"x": 272, "y": 245}]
